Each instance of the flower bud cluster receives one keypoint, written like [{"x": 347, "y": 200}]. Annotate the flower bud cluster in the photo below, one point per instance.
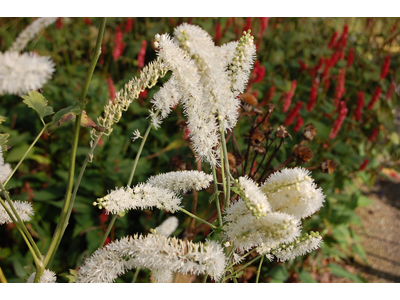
[{"x": 253, "y": 197}]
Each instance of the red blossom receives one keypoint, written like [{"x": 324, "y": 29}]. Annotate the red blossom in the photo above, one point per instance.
[
  {"x": 59, "y": 23},
  {"x": 339, "y": 120},
  {"x": 247, "y": 26},
  {"x": 103, "y": 217},
  {"x": 88, "y": 21},
  {"x": 385, "y": 67},
  {"x": 299, "y": 123},
  {"x": 350, "y": 57},
  {"x": 341, "y": 43},
  {"x": 390, "y": 91},
  {"x": 263, "y": 26},
  {"x": 339, "y": 90},
  {"x": 313, "y": 95},
  {"x": 107, "y": 241},
  {"x": 374, "y": 134},
  {"x": 359, "y": 106},
  {"x": 142, "y": 54},
  {"x": 218, "y": 33},
  {"x": 333, "y": 39},
  {"x": 128, "y": 25},
  {"x": 119, "y": 45},
  {"x": 269, "y": 95},
  {"x": 111, "y": 88},
  {"x": 314, "y": 70},
  {"x": 303, "y": 65},
  {"x": 143, "y": 94},
  {"x": 375, "y": 97},
  {"x": 288, "y": 97},
  {"x": 29, "y": 190},
  {"x": 364, "y": 164},
  {"x": 292, "y": 114}
]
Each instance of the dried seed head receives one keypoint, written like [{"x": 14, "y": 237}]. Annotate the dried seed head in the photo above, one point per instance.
[
  {"x": 309, "y": 132},
  {"x": 270, "y": 108},
  {"x": 232, "y": 161},
  {"x": 257, "y": 137},
  {"x": 328, "y": 166},
  {"x": 259, "y": 149},
  {"x": 281, "y": 132},
  {"x": 302, "y": 153},
  {"x": 258, "y": 111}
]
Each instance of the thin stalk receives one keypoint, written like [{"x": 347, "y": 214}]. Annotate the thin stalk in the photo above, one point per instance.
[
  {"x": 217, "y": 198},
  {"x": 3, "y": 278},
  {"x": 204, "y": 278},
  {"x": 197, "y": 218},
  {"x": 228, "y": 179},
  {"x": 26, "y": 153},
  {"x": 110, "y": 225},
  {"x": 135, "y": 276},
  {"x": 21, "y": 226},
  {"x": 223, "y": 173},
  {"x": 248, "y": 253},
  {"x": 63, "y": 221},
  {"x": 259, "y": 269},
  {"x": 245, "y": 266}
]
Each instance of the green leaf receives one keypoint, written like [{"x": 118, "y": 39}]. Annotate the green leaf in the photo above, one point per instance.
[
  {"x": 2, "y": 119},
  {"x": 214, "y": 196},
  {"x": 3, "y": 141},
  {"x": 306, "y": 277},
  {"x": 364, "y": 201},
  {"x": 279, "y": 273},
  {"x": 341, "y": 272},
  {"x": 66, "y": 114},
  {"x": 36, "y": 101}
]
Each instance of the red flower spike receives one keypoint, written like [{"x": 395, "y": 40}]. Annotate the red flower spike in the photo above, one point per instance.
[
  {"x": 385, "y": 67},
  {"x": 269, "y": 95},
  {"x": 299, "y": 123},
  {"x": 350, "y": 57},
  {"x": 111, "y": 88},
  {"x": 364, "y": 164},
  {"x": 390, "y": 91},
  {"x": 289, "y": 96},
  {"x": 375, "y": 97},
  {"x": 59, "y": 23},
  {"x": 218, "y": 33},
  {"x": 292, "y": 114},
  {"x": 313, "y": 95},
  {"x": 142, "y": 54},
  {"x": 342, "y": 42},
  {"x": 128, "y": 25},
  {"x": 314, "y": 70},
  {"x": 360, "y": 104},
  {"x": 339, "y": 120},
  {"x": 107, "y": 241},
  {"x": 339, "y": 90},
  {"x": 263, "y": 26},
  {"x": 119, "y": 45},
  {"x": 88, "y": 21},
  {"x": 373, "y": 134},
  {"x": 333, "y": 39},
  {"x": 303, "y": 66},
  {"x": 247, "y": 26}
]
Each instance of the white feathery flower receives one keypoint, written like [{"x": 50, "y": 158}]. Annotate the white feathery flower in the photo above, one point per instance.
[
  {"x": 294, "y": 192},
  {"x": 136, "y": 135},
  {"x": 255, "y": 200},
  {"x": 141, "y": 196},
  {"x": 168, "y": 226},
  {"x": 246, "y": 231},
  {"x": 181, "y": 181},
  {"x": 21, "y": 73},
  {"x": 301, "y": 246},
  {"x": 30, "y": 32},
  {"x": 162, "y": 275},
  {"x": 213, "y": 78},
  {"x": 47, "y": 277},
  {"x": 154, "y": 252},
  {"x": 24, "y": 210},
  {"x": 155, "y": 119},
  {"x": 5, "y": 171},
  {"x": 201, "y": 122},
  {"x": 167, "y": 97}
]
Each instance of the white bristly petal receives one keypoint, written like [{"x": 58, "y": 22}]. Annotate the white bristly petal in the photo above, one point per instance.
[
  {"x": 294, "y": 192},
  {"x": 47, "y": 277},
  {"x": 24, "y": 210},
  {"x": 168, "y": 226}
]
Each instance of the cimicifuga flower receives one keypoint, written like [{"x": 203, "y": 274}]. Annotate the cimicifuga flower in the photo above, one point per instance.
[
  {"x": 247, "y": 231},
  {"x": 155, "y": 252},
  {"x": 141, "y": 196},
  {"x": 5, "y": 169},
  {"x": 24, "y": 210},
  {"x": 21, "y": 73},
  {"x": 304, "y": 244},
  {"x": 136, "y": 135},
  {"x": 167, "y": 97},
  {"x": 168, "y": 226},
  {"x": 214, "y": 79},
  {"x": 254, "y": 199},
  {"x": 294, "y": 192},
  {"x": 30, "y": 32},
  {"x": 47, "y": 277},
  {"x": 181, "y": 181},
  {"x": 113, "y": 110},
  {"x": 201, "y": 122}
]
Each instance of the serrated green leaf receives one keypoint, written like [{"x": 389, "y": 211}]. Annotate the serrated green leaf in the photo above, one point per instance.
[
  {"x": 2, "y": 119},
  {"x": 67, "y": 113},
  {"x": 38, "y": 102},
  {"x": 3, "y": 141}
]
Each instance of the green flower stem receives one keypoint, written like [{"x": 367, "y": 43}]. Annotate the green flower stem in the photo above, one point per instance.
[
  {"x": 217, "y": 198},
  {"x": 259, "y": 268},
  {"x": 197, "y": 218},
  {"x": 228, "y": 179},
  {"x": 135, "y": 276},
  {"x": 20, "y": 225},
  {"x": 63, "y": 221},
  {"x": 26, "y": 153},
  {"x": 248, "y": 253},
  {"x": 3, "y": 278},
  {"x": 111, "y": 224},
  {"x": 223, "y": 173},
  {"x": 242, "y": 268},
  {"x": 76, "y": 187},
  {"x": 204, "y": 278}
]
